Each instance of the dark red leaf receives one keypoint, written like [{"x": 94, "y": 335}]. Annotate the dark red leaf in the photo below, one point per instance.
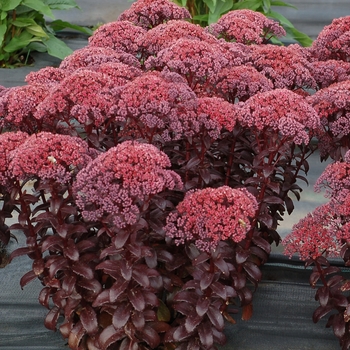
[
  {"x": 314, "y": 277},
  {"x": 102, "y": 298},
  {"x": 241, "y": 256},
  {"x": 253, "y": 271},
  {"x": 192, "y": 321},
  {"x": 120, "y": 239},
  {"x": 139, "y": 274},
  {"x": 75, "y": 336},
  {"x": 52, "y": 241},
  {"x": 206, "y": 280},
  {"x": 320, "y": 312},
  {"x": 339, "y": 325},
  {"x": 121, "y": 315},
  {"x": 247, "y": 312},
  {"x": 92, "y": 285},
  {"x": 136, "y": 298},
  {"x": 245, "y": 295},
  {"x": 44, "y": 297},
  {"x": 206, "y": 335},
  {"x": 68, "y": 284},
  {"x": 239, "y": 281},
  {"x": 192, "y": 251},
  {"x": 26, "y": 278},
  {"x": 19, "y": 252},
  {"x": 128, "y": 344},
  {"x": 335, "y": 280},
  {"x": 138, "y": 320},
  {"x": 222, "y": 265},
  {"x": 345, "y": 286},
  {"x": 85, "y": 245},
  {"x": 117, "y": 289},
  {"x": 88, "y": 319},
  {"x": 331, "y": 269},
  {"x": 38, "y": 266},
  {"x": 216, "y": 318},
  {"x": 180, "y": 333},
  {"x": 82, "y": 269},
  {"x": 273, "y": 200},
  {"x": 56, "y": 264},
  {"x": 322, "y": 295},
  {"x": 51, "y": 318},
  {"x": 202, "y": 305},
  {"x": 71, "y": 251},
  {"x": 150, "y": 336},
  {"x": 289, "y": 204},
  {"x": 262, "y": 243}
]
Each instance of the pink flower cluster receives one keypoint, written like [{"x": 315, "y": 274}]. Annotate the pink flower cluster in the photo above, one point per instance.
[
  {"x": 286, "y": 66},
  {"x": 247, "y": 27},
  {"x": 281, "y": 110},
  {"x": 120, "y": 36},
  {"x": 156, "y": 100},
  {"x": 49, "y": 157},
  {"x": 150, "y": 13},
  {"x": 91, "y": 56},
  {"x": 208, "y": 216},
  {"x": 18, "y": 106},
  {"x": 46, "y": 76},
  {"x": 195, "y": 60},
  {"x": 84, "y": 95},
  {"x": 319, "y": 233},
  {"x": 116, "y": 184},
  {"x": 333, "y": 42},
  {"x": 9, "y": 141},
  {"x": 239, "y": 83},
  {"x": 164, "y": 35}
]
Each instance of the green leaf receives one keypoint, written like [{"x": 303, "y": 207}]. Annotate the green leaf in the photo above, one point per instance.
[
  {"x": 3, "y": 28},
  {"x": 59, "y": 25},
  {"x": 37, "y": 46},
  {"x": 61, "y": 4},
  {"x": 3, "y": 15},
  {"x": 20, "y": 42},
  {"x": 250, "y": 5},
  {"x": 302, "y": 38},
  {"x": 56, "y": 47},
  {"x": 23, "y": 22},
  {"x": 283, "y": 20},
  {"x": 36, "y": 30},
  {"x": 8, "y": 5},
  {"x": 221, "y": 7},
  {"x": 282, "y": 3},
  {"x": 40, "y": 6}
]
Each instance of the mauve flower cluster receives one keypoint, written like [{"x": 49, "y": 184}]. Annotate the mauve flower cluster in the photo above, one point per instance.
[
  {"x": 18, "y": 106},
  {"x": 119, "y": 36},
  {"x": 247, "y": 27},
  {"x": 150, "y": 13},
  {"x": 9, "y": 141},
  {"x": 49, "y": 157},
  {"x": 211, "y": 215},
  {"x": 115, "y": 186},
  {"x": 333, "y": 42},
  {"x": 46, "y": 76},
  {"x": 281, "y": 110}
]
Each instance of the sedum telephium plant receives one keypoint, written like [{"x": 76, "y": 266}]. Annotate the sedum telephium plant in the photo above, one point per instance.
[{"x": 150, "y": 171}]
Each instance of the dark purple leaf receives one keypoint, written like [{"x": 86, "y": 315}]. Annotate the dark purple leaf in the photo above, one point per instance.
[
  {"x": 219, "y": 289},
  {"x": 216, "y": 317},
  {"x": 19, "y": 252},
  {"x": 180, "y": 333},
  {"x": 203, "y": 257},
  {"x": 52, "y": 241},
  {"x": 117, "y": 289},
  {"x": 339, "y": 325},
  {"x": 206, "y": 335},
  {"x": 102, "y": 298},
  {"x": 57, "y": 263},
  {"x": 38, "y": 266},
  {"x": 137, "y": 299},
  {"x": 125, "y": 269},
  {"x": 206, "y": 280},
  {"x": 44, "y": 297},
  {"x": 192, "y": 163},
  {"x": 120, "y": 239},
  {"x": 150, "y": 336},
  {"x": 345, "y": 286},
  {"x": 322, "y": 295},
  {"x": 82, "y": 269},
  {"x": 331, "y": 269},
  {"x": 192, "y": 321},
  {"x": 76, "y": 335},
  {"x": 71, "y": 251},
  {"x": 151, "y": 298},
  {"x": 68, "y": 284},
  {"x": 88, "y": 319},
  {"x": 347, "y": 314},
  {"x": 128, "y": 344},
  {"x": 239, "y": 280},
  {"x": 138, "y": 320},
  {"x": 51, "y": 318},
  {"x": 192, "y": 251},
  {"x": 202, "y": 305},
  {"x": 222, "y": 265},
  {"x": 219, "y": 337},
  {"x": 186, "y": 296},
  {"x": 93, "y": 285},
  {"x": 335, "y": 280},
  {"x": 151, "y": 259},
  {"x": 26, "y": 278},
  {"x": 121, "y": 315},
  {"x": 245, "y": 295},
  {"x": 253, "y": 271},
  {"x": 241, "y": 256},
  {"x": 86, "y": 244},
  {"x": 320, "y": 312},
  {"x": 262, "y": 243}
]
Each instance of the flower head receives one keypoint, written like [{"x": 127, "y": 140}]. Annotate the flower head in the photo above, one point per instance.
[
  {"x": 286, "y": 66},
  {"x": 121, "y": 36},
  {"x": 333, "y": 42},
  {"x": 18, "y": 105},
  {"x": 46, "y": 76},
  {"x": 319, "y": 233},
  {"x": 119, "y": 181},
  {"x": 195, "y": 60},
  {"x": 49, "y": 157},
  {"x": 150, "y": 13},
  {"x": 94, "y": 56},
  {"x": 9, "y": 141},
  {"x": 164, "y": 35},
  {"x": 153, "y": 102},
  {"x": 283, "y": 111},
  {"x": 208, "y": 216},
  {"x": 247, "y": 27},
  {"x": 84, "y": 95},
  {"x": 239, "y": 83}
]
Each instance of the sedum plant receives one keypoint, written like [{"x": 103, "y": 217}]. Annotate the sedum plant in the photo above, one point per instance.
[
  {"x": 24, "y": 29},
  {"x": 150, "y": 171}
]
